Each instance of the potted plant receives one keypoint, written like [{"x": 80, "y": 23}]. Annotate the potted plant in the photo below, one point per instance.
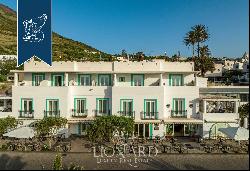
[{"x": 169, "y": 131}]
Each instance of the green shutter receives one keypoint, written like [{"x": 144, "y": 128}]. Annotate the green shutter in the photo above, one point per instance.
[
  {"x": 170, "y": 79},
  {"x": 184, "y": 105},
  {"x": 79, "y": 128},
  {"x": 151, "y": 130},
  {"x": 143, "y": 77},
  {"x": 132, "y": 80},
  {"x": 182, "y": 80}
]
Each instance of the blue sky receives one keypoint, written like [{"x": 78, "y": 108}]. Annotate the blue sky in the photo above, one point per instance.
[{"x": 152, "y": 26}]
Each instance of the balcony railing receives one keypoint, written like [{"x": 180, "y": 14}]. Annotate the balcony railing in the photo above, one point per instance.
[
  {"x": 149, "y": 115},
  {"x": 127, "y": 113},
  {"x": 102, "y": 112},
  {"x": 26, "y": 114},
  {"x": 79, "y": 114},
  {"x": 178, "y": 113},
  {"x": 55, "y": 113}
]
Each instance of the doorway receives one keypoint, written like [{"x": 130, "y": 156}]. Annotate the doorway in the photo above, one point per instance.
[{"x": 178, "y": 129}]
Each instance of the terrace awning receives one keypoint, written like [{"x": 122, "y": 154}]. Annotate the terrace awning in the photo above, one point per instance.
[
  {"x": 147, "y": 121},
  {"x": 237, "y": 133},
  {"x": 183, "y": 121},
  {"x": 221, "y": 121},
  {"x": 83, "y": 120}
]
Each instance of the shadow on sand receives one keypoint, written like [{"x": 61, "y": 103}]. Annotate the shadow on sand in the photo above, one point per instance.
[{"x": 155, "y": 164}]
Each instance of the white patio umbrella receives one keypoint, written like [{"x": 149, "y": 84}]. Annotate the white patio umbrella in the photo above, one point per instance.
[
  {"x": 21, "y": 132},
  {"x": 236, "y": 133}
]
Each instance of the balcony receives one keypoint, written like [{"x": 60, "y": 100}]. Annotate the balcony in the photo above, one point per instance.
[
  {"x": 79, "y": 114},
  {"x": 55, "y": 113},
  {"x": 130, "y": 114},
  {"x": 149, "y": 115},
  {"x": 101, "y": 112},
  {"x": 178, "y": 113},
  {"x": 26, "y": 114}
]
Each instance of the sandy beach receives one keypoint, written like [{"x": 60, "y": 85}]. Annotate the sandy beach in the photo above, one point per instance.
[{"x": 27, "y": 161}]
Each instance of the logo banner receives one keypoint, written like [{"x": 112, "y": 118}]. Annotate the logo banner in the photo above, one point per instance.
[{"x": 34, "y": 30}]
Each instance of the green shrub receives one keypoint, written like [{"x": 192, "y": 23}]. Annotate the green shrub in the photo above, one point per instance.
[
  {"x": 4, "y": 147},
  {"x": 7, "y": 123},
  {"x": 3, "y": 78},
  {"x": 57, "y": 165}
]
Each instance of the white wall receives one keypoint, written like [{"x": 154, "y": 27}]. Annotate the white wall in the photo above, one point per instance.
[
  {"x": 125, "y": 67},
  {"x": 201, "y": 82},
  {"x": 216, "y": 73},
  {"x": 91, "y": 93},
  {"x": 39, "y": 95},
  {"x": 191, "y": 95},
  {"x": 138, "y": 94}
]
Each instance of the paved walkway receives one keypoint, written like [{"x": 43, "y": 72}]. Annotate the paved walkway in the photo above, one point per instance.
[{"x": 18, "y": 160}]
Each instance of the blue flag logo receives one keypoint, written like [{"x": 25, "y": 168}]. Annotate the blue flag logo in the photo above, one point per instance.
[{"x": 34, "y": 30}]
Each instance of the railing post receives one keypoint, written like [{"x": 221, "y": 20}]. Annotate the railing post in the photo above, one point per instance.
[
  {"x": 66, "y": 79},
  {"x": 15, "y": 79},
  {"x": 114, "y": 80},
  {"x": 161, "y": 80}
]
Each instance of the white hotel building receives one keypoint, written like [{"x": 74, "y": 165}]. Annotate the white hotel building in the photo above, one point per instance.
[{"x": 162, "y": 97}]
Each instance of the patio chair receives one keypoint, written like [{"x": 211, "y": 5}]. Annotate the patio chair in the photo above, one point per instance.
[
  {"x": 65, "y": 147},
  {"x": 209, "y": 149},
  {"x": 37, "y": 146},
  {"x": 177, "y": 147},
  {"x": 11, "y": 146},
  {"x": 169, "y": 149}
]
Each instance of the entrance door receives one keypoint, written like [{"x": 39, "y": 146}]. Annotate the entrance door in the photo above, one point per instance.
[
  {"x": 142, "y": 130},
  {"x": 146, "y": 130},
  {"x": 178, "y": 130},
  {"x": 141, "y": 134}
]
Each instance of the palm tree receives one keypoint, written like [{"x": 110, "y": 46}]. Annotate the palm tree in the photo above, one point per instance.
[
  {"x": 190, "y": 39},
  {"x": 204, "y": 51},
  {"x": 204, "y": 63},
  {"x": 201, "y": 35}
]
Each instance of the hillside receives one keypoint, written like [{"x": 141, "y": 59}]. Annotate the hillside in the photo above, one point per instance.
[
  {"x": 63, "y": 48},
  {"x": 7, "y": 31}
]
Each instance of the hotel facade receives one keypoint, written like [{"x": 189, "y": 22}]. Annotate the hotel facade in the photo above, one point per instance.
[{"x": 162, "y": 97}]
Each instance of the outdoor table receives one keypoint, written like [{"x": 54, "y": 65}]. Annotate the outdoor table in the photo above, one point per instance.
[
  {"x": 227, "y": 147},
  {"x": 169, "y": 148}
]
